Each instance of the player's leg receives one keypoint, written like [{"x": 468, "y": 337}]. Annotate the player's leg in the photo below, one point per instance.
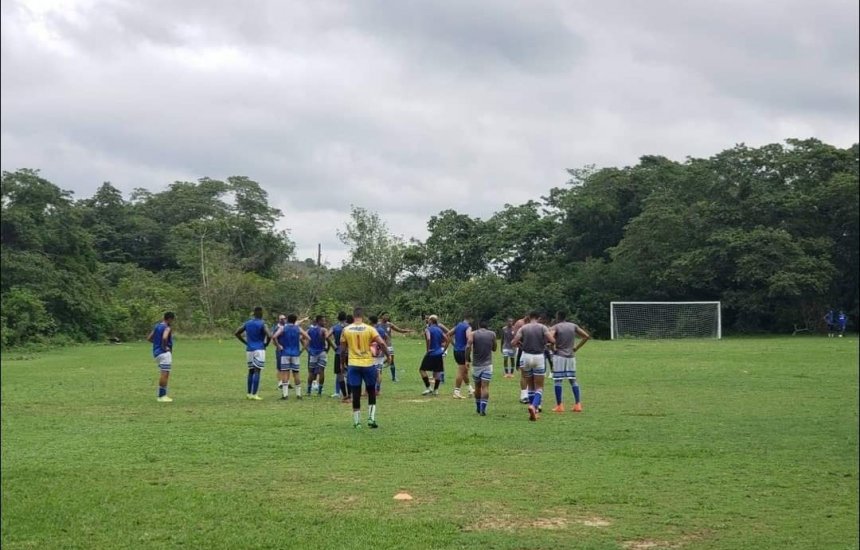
[
  {"x": 460, "y": 359},
  {"x": 311, "y": 372},
  {"x": 574, "y": 386},
  {"x": 164, "y": 362},
  {"x": 422, "y": 371},
  {"x": 377, "y": 384},
  {"x": 518, "y": 364},
  {"x": 296, "y": 369},
  {"x": 321, "y": 365},
  {"x": 476, "y": 379},
  {"x": 354, "y": 381},
  {"x": 438, "y": 373},
  {"x": 371, "y": 378},
  {"x": 484, "y": 388},
  {"x": 468, "y": 367},
  {"x": 391, "y": 368}
]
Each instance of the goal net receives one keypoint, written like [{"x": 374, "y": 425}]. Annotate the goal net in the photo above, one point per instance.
[{"x": 665, "y": 320}]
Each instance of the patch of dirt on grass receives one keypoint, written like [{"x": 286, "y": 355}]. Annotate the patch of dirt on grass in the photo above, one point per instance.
[
  {"x": 647, "y": 544},
  {"x": 507, "y": 523},
  {"x": 595, "y": 521}
]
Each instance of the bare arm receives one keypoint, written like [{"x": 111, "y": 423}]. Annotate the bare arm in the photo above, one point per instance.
[
  {"x": 304, "y": 338},
  {"x": 495, "y": 344},
  {"x": 380, "y": 341},
  {"x": 268, "y": 335},
  {"x": 469, "y": 341},
  {"x": 518, "y": 337},
  {"x": 427, "y": 339},
  {"x": 395, "y": 328},
  {"x": 583, "y": 338},
  {"x": 239, "y": 332},
  {"x": 164, "y": 339},
  {"x": 151, "y": 336},
  {"x": 275, "y": 337}
]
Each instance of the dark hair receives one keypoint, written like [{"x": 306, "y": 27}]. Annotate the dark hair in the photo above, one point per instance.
[
  {"x": 534, "y": 314},
  {"x": 292, "y": 317},
  {"x": 169, "y": 315},
  {"x": 350, "y": 319},
  {"x": 467, "y": 315},
  {"x": 319, "y": 318},
  {"x": 357, "y": 312},
  {"x": 258, "y": 311},
  {"x": 373, "y": 319},
  {"x": 341, "y": 316},
  {"x": 561, "y": 315},
  {"x": 482, "y": 323}
]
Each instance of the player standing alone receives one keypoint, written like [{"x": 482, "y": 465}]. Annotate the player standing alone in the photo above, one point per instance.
[
  {"x": 257, "y": 337},
  {"x": 162, "y": 349},
  {"x": 533, "y": 338},
  {"x": 564, "y": 359},
  {"x": 356, "y": 340},
  {"x": 482, "y": 343}
]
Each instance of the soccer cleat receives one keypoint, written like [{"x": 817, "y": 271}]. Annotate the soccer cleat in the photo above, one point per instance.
[
  {"x": 372, "y": 424},
  {"x": 457, "y": 395},
  {"x": 533, "y": 414},
  {"x": 164, "y": 399},
  {"x": 335, "y": 396},
  {"x": 471, "y": 391},
  {"x": 524, "y": 400},
  {"x": 255, "y": 397},
  {"x": 428, "y": 391},
  {"x": 558, "y": 409},
  {"x": 248, "y": 396},
  {"x": 483, "y": 413},
  {"x": 577, "y": 408},
  {"x": 283, "y": 398},
  {"x": 435, "y": 393},
  {"x": 357, "y": 425}
]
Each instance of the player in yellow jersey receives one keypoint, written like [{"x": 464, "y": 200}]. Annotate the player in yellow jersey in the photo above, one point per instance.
[{"x": 360, "y": 342}]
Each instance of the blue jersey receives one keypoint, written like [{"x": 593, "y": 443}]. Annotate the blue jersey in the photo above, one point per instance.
[
  {"x": 382, "y": 329},
  {"x": 460, "y": 339},
  {"x": 436, "y": 336},
  {"x": 255, "y": 334},
  {"x": 843, "y": 320},
  {"x": 290, "y": 340},
  {"x": 337, "y": 330},
  {"x": 317, "y": 343},
  {"x": 158, "y": 337}
]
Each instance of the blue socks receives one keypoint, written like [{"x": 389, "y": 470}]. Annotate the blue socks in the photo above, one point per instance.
[
  {"x": 482, "y": 407},
  {"x": 558, "y": 393},
  {"x": 575, "y": 388},
  {"x": 393, "y": 372},
  {"x": 162, "y": 391},
  {"x": 538, "y": 396},
  {"x": 255, "y": 381},
  {"x": 250, "y": 381}
]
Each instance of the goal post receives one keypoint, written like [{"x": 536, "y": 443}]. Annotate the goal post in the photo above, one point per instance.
[{"x": 662, "y": 320}]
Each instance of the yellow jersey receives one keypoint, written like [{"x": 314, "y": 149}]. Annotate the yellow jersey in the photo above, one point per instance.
[{"x": 358, "y": 338}]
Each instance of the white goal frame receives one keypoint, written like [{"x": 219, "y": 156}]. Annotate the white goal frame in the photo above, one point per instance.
[{"x": 613, "y": 321}]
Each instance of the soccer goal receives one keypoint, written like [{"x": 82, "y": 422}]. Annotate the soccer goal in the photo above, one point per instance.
[{"x": 665, "y": 320}]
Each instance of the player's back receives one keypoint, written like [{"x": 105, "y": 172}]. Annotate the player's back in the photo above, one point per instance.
[
  {"x": 290, "y": 340},
  {"x": 158, "y": 339},
  {"x": 358, "y": 339},
  {"x": 482, "y": 347},
  {"x": 382, "y": 329},
  {"x": 461, "y": 332},
  {"x": 533, "y": 338},
  {"x": 436, "y": 338},
  {"x": 255, "y": 334},
  {"x": 316, "y": 345},
  {"x": 336, "y": 332},
  {"x": 565, "y": 338}
]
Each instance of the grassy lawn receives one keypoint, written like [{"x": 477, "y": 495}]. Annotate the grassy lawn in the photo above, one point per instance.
[{"x": 740, "y": 443}]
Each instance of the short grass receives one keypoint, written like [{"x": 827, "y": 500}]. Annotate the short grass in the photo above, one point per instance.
[{"x": 740, "y": 443}]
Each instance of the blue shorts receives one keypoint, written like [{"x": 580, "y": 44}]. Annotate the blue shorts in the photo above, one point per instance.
[{"x": 355, "y": 376}]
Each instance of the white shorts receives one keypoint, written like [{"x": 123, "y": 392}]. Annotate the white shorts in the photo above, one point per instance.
[
  {"x": 563, "y": 368},
  {"x": 484, "y": 373},
  {"x": 317, "y": 361},
  {"x": 532, "y": 364},
  {"x": 290, "y": 363},
  {"x": 391, "y": 350},
  {"x": 257, "y": 358},
  {"x": 508, "y": 353},
  {"x": 164, "y": 361}
]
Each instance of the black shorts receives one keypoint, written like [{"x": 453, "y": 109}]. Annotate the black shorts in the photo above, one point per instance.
[
  {"x": 461, "y": 357},
  {"x": 337, "y": 363},
  {"x": 432, "y": 363}
]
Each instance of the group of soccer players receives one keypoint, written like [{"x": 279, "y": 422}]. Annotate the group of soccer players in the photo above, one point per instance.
[{"x": 531, "y": 345}]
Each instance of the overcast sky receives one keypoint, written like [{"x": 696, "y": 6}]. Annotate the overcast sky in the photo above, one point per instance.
[{"x": 409, "y": 108}]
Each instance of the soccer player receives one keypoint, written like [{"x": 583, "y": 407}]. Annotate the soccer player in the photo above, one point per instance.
[
  {"x": 390, "y": 329},
  {"x": 532, "y": 338},
  {"x": 357, "y": 340},
  {"x": 508, "y": 353},
  {"x": 524, "y": 391},
  {"x": 482, "y": 343},
  {"x": 461, "y": 333},
  {"x": 378, "y": 356},
  {"x": 436, "y": 341},
  {"x": 339, "y": 372},
  {"x": 161, "y": 337},
  {"x": 282, "y": 320},
  {"x": 257, "y": 337},
  {"x": 317, "y": 359},
  {"x": 830, "y": 319},
  {"x": 842, "y": 320},
  {"x": 564, "y": 358},
  {"x": 290, "y": 340}
]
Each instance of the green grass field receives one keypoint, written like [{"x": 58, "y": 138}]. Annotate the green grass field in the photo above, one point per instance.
[{"x": 739, "y": 443}]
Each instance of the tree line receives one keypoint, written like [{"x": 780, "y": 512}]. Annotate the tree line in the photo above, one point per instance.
[{"x": 772, "y": 232}]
